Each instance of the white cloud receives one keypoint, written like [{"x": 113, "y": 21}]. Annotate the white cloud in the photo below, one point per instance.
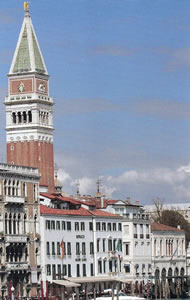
[{"x": 149, "y": 182}]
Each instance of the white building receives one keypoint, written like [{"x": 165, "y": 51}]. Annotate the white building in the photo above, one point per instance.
[
  {"x": 90, "y": 239},
  {"x": 136, "y": 239},
  {"x": 168, "y": 252}
]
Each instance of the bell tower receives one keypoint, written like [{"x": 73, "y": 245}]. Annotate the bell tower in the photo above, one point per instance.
[{"x": 29, "y": 108}]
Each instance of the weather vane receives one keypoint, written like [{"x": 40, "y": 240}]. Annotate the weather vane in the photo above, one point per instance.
[{"x": 26, "y": 6}]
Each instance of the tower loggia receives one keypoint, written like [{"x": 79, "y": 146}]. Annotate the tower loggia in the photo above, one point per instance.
[{"x": 29, "y": 108}]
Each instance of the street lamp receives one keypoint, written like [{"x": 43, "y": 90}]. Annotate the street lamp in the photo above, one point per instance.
[{"x": 12, "y": 292}]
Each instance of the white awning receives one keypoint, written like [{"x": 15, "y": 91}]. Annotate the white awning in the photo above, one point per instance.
[
  {"x": 93, "y": 279},
  {"x": 66, "y": 283}
]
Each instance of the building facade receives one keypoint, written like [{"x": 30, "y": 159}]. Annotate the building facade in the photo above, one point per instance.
[
  {"x": 168, "y": 253},
  {"x": 29, "y": 108},
  {"x": 19, "y": 231},
  {"x": 80, "y": 243},
  {"x": 136, "y": 239}
]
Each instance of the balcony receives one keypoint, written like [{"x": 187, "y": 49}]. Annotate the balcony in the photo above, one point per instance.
[
  {"x": 28, "y": 97},
  {"x": 17, "y": 266},
  {"x": 14, "y": 199},
  {"x": 16, "y": 238}
]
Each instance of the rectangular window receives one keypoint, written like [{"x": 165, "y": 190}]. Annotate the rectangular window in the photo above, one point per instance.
[
  {"x": 69, "y": 248},
  {"x": 84, "y": 269},
  {"x": 64, "y": 270},
  {"x": 104, "y": 264},
  {"x": 109, "y": 226},
  {"x": 53, "y": 270},
  {"x": 59, "y": 271},
  {"x": 127, "y": 249},
  {"x": 91, "y": 269},
  {"x": 69, "y": 270},
  {"x": 127, "y": 268},
  {"x": 114, "y": 226},
  {"x": 63, "y": 225},
  {"x": 82, "y": 226},
  {"x": 83, "y": 249},
  {"x": 77, "y": 249},
  {"x": 47, "y": 248},
  {"x": 98, "y": 226},
  {"x": 90, "y": 226},
  {"x": 91, "y": 248},
  {"x": 53, "y": 248},
  {"x": 53, "y": 225},
  {"x": 99, "y": 266},
  {"x": 76, "y": 226},
  {"x": 119, "y": 227},
  {"x": 58, "y": 225},
  {"x": 114, "y": 245},
  {"x": 48, "y": 269},
  {"x": 104, "y": 245},
  {"x": 47, "y": 224},
  {"x": 58, "y": 248},
  {"x": 98, "y": 245},
  {"x": 103, "y": 226},
  {"x": 78, "y": 270},
  {"x": 69, "y": 226},
  {"x": 109, "y": 245}
]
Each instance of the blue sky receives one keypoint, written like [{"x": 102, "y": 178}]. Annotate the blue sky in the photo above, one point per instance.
[{"x": 120, "y": 79}]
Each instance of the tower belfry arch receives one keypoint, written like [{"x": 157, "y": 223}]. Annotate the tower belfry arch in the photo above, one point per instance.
[{"x": 29, "y": 107}]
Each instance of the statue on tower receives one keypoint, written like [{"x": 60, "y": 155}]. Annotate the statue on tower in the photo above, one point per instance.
[{"x": 26, "y": 6}]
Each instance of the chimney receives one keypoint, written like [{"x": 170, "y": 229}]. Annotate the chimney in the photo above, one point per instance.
[
  {"x": 137, "y": 203},
  {"x": 128, "y": 200},
  {"x": 102, "y": 201}
]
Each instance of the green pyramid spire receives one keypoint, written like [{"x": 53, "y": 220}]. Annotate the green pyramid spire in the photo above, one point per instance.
[
  {"x": 27, "y": 57},
  {"x": 22, "y": 62}
]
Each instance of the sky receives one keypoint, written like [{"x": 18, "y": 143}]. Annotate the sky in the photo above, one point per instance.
[{"x": 120, "y": 80}]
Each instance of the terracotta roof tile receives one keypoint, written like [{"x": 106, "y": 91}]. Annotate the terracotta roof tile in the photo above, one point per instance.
[
  {"x": 101, "y": 213},
  {"x": 162, "y": 227},
  {"x": 45, "y": 210}
]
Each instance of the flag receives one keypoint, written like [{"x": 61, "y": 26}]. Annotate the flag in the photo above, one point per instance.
[
  {"x": 174, "y": 253},
  {"x": 47, "y": 293},
  {"x": 63, "y": 249},
  {"x": 42, "y": 290}
]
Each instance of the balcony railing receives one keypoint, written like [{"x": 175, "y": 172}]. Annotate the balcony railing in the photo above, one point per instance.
[
  {"x": 14, "y": 199},
  {"x": 17, "y": 266},
  {"x": 16, "y": 238}
]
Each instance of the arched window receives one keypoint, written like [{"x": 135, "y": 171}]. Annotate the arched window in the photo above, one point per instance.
[
  {"x": 24, "y": 224},
  {"x": 10, "y": 223},
  {"x": 5, "y": 187},
  {"x": 18, "y": 224},
  {"x": 14, "y": 224},
  {"x": 160, "y": 247},
  {"x": 35, "y": 224},
  {"x": 155, "y": 244},
  {"x": 6, "y": 223}
]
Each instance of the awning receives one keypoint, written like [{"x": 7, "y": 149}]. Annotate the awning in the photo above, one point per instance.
[
  {"x": 66, "y": 283},
  {"x": 93, "y": 279}
]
